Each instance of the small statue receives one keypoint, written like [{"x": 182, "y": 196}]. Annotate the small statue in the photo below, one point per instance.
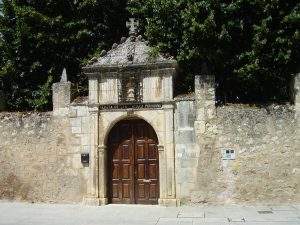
[{"x": 130, "y": 90}]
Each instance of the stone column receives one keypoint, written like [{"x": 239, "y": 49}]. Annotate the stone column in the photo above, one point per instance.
[
  {"x": 61, "y": 97},
  {"x": 92, "y": 197},
  {"x": 162, "y": 172},
  {"x": 167, "y": 155},
  {"x": 102, "y": 151}
]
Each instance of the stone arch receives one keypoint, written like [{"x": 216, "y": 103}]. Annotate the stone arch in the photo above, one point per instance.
[
  {"x": 102, "y": 122},
  {"x": 125, "y": 117}
]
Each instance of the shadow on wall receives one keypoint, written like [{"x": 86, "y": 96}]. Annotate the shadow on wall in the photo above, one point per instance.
[{"x": 11, "y": 188}]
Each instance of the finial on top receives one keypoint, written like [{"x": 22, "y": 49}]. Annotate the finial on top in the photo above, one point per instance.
[
  {"x": 64, "y": 77},
  {"x": 132, "y": 24}
]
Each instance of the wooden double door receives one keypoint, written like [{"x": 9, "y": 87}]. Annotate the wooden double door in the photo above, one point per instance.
[{"x": 133, "y": 163}]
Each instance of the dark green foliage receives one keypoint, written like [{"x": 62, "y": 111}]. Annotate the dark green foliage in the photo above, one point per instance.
[
  {"x": 39, "y": 38},
  {"x": 252, "y": 46}
]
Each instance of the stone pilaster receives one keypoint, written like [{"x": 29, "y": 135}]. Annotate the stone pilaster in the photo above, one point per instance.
[
  {"x": 92, "y": 197},
  {"x": 162, "y": 170},
  {"x": 102, "y": 152},
  {"x": 167, "y": 159},
  {"x": 61, "y": 97}
]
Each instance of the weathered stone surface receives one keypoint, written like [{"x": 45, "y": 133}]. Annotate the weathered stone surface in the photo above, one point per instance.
[
  {"x": 265, "y": 143},
  {"x": 266, "y": 164},
  {"x": 36, "y": 159}
]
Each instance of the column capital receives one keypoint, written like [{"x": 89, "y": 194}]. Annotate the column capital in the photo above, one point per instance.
[
  {"x": 102, "y": 149},
  {"x": 160, "y": 148},
  {"x": 94, "y": 110}
]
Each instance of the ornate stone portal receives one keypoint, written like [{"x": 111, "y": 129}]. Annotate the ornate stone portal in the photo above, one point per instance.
[
  {"x": 127, "y": 83},
  {"x": 227, "y": 154}
]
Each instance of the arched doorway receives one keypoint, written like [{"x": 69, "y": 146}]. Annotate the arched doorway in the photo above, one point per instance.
[{"x": 133, "y": 163}]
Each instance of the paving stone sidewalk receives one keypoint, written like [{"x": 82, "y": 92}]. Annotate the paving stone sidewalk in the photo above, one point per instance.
[{"x": 14, "y": 213}]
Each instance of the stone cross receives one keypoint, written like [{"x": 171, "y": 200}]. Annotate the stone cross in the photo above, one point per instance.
[{"x": 132, "y": 24}]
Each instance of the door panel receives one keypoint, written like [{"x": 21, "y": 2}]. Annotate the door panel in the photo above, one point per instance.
[{"x": 133, "y": 163}]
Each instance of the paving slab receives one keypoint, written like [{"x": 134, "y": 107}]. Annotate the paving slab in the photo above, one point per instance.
[
  {"x": 14, "y": 213},
  {"x": 177, "y": 221},
  {"x": 191, "y": 212}
]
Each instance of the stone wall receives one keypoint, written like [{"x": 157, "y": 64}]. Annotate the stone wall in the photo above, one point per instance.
[
  {"x": 266, "y": 164},
  {"x": 40, "y": 153},
  {"x": 36, "y": 160},
  {"x": 265, "y": 168}
]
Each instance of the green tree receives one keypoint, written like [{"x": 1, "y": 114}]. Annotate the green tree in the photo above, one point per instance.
[
  {"x": 252, "y": 46},
  {"x": 39, "y": 38}
]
